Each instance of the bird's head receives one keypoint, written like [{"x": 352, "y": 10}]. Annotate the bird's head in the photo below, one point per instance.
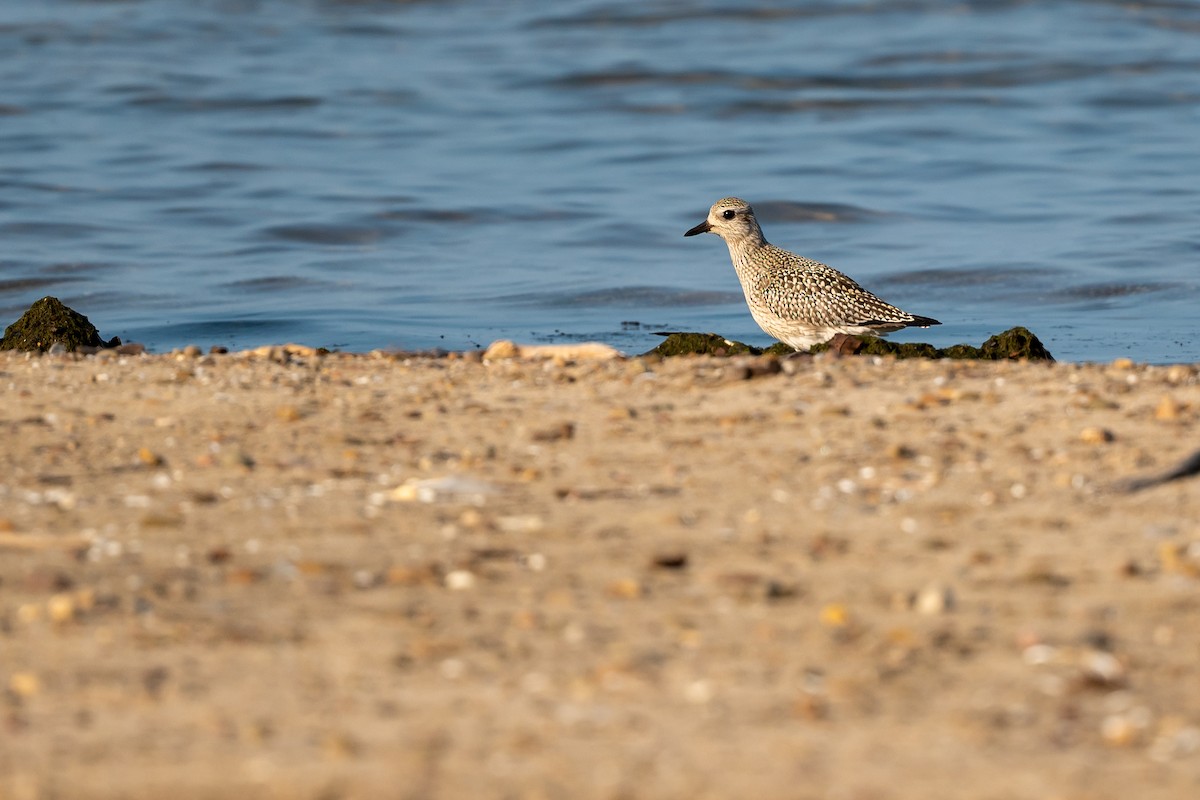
[{"x": 732, "y": 219}]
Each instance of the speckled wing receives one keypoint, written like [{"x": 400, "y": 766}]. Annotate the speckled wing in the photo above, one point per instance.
[{"x": 808, "y": 291}]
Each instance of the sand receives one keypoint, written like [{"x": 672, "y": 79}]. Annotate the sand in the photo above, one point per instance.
[{"x": 353, "y": 576}]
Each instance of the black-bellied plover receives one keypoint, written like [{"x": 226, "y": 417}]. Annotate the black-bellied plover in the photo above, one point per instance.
[{"x": 799, "y": 301}]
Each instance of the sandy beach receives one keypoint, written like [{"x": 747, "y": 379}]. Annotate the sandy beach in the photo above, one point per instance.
[{"x": 293, "y": 575}]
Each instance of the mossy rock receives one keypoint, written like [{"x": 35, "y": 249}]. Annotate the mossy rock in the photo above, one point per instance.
[
  {"x": 48, "y": 322},
  {"x": 1014, "y": 343},
  {"x": 874, "y": 346},
  {"x": 779, "y": 349},
  {"x": 706, "y": 344}
]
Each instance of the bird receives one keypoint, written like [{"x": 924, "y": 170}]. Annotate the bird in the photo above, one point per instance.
[{"x": 797, "y": 300}]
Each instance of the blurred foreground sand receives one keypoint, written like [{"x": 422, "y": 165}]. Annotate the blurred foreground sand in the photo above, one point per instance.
[{"x": 364, "y": 576}]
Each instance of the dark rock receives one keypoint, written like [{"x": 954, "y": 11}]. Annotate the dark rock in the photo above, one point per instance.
[
  {"x": 670, "y": 559},
  {"x": 1014, "y": 343},
  {"x": 847, "y": 345},
  {"x": 48, "y": 322},
  {"x": 749, "y": 367}
]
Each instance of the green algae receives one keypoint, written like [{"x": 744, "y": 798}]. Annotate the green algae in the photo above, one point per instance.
[
  {"x": 1014, "y": 343},
  {"x": 48, "y": 322}
]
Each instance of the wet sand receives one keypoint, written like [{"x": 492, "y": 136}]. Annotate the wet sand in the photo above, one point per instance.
[{"x": 367, "y": 576}]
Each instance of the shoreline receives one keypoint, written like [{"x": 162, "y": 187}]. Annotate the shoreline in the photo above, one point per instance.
[{"x": 284, "y": 573}]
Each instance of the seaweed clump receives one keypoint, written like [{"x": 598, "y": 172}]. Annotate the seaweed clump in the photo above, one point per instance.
[
  {"x": 1014, "y": 343},
  {"x": 48, "y": 322}
]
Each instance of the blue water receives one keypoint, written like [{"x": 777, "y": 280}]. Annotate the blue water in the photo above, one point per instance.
[{"x": 411, "y": 175}]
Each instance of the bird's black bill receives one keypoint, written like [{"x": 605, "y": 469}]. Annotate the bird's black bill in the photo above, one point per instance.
[{"x": 703, "y": 227}]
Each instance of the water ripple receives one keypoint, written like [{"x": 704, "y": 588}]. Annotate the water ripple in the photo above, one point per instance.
[
  {"x": 791, "y": 211},
  {"x": 24, "y": 284},
  {"x": 177, "y": 104},
  {"x": 640, "y": 296},
  {"x": 1108, "y": 291},
  {"x": 325, "y": 234},
  {"x": 274, "y": 283},
  {"x": 66, "y": 230},
  {"x": 972, "y": 277},
  {"x": 996, "y": 77}
]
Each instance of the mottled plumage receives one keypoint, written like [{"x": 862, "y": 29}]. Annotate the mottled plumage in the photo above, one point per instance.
[{"x": 797, "y": 300}]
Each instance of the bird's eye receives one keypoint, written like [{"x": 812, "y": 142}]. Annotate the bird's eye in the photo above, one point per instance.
[{"x": 729, "y": 213}]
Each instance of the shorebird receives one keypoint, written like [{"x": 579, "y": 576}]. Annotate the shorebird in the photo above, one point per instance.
[{"x": 799, "y": 301}]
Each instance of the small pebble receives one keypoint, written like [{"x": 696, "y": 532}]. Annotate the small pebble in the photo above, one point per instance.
[
  {"x": 452, "y": 668},
  {"x": 1167, "y": 410},
  {"x": 1178, "y": 559},
  {"x": 24, "y": 684},
  {"x": 1096, "y": 436},
  {"x": 501, "y": 349},
  {"x": 518, "y": 523},
  {"x": 835, "y": 615},
  {"x": 565, "y": 430},
  {"x": 460, "y": 580},
  {"x": 625, "y": 589},
  {"x": 935, "y": 599},
  {"x": 1118, "y": 730},
  {"x": 61, "y": 607},
  {"x": 699, "y": 692},
  {"x": 1178, "y": 373},
  {"x": 342, "y": 746},
  {"x": 1037, "y": 654},
  {"x": 1103, "y": 670}
]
